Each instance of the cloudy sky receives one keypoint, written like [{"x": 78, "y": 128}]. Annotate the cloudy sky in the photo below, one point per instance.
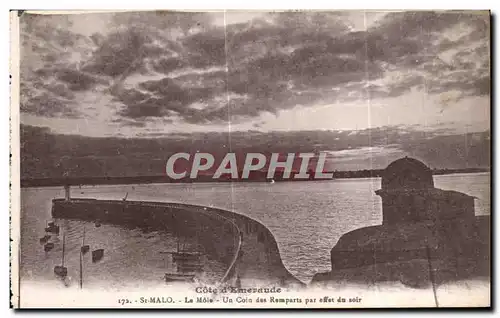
[
  {"x": 118, "y": 93},
  {"x": 153, "y": 73}
]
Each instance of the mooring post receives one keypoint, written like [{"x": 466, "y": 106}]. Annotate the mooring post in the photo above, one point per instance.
[{"x": 67, "y": 192}]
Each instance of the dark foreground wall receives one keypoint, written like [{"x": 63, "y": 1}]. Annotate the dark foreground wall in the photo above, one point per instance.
[
  {"x": 246, "y": 246},
  {"x": 416, "y": 254}
]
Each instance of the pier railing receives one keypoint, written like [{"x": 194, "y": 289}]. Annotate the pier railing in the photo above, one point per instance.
[{"x": 232, "y": 266}]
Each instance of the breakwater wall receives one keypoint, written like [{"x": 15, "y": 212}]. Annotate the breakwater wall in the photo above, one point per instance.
[
  {"x": 259, "y": 262},
  {"x": 246, "y": 246}
]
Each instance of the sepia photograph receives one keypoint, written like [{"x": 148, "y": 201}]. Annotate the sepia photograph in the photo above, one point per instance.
[{"x": 250, "y": 159}]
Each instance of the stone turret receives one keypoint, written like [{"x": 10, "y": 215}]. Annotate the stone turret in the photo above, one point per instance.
[
  {"x": 407, "y": 173},
  {"x": 408, "y": 195},
  {"x": 428, "y": 235}
]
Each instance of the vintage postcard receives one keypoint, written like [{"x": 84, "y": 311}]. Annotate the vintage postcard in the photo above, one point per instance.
[{"x": 250, "y": 159}]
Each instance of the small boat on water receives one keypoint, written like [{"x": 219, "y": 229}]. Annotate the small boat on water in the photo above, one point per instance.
[
  {"x": 188, "y": 265},
  {"x": 97, "y": 255},
  {"x": 186, "y": 256},
  {"x": 52, "y": 228},
  {"x": 61, "y": 270},
  {"x": 47, "y": 247},
  {"x": 179, "y": 277},
  {"x": 44, "y": 239},
  {"x": 85, "y": 249}
]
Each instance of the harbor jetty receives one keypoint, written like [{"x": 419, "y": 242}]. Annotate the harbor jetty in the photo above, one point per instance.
[
  {"x": 246, "y": 246},
  {"x": 428, "y": 236}
]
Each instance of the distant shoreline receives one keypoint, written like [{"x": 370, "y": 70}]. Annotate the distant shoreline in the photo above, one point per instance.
[{"x": 76, "y": 181}]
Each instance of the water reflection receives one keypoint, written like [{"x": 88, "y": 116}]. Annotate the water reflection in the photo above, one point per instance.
[{"x": 306, "y": 218}]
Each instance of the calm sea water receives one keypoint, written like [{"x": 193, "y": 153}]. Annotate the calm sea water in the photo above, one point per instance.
[{"x": 306, "y": 218}]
